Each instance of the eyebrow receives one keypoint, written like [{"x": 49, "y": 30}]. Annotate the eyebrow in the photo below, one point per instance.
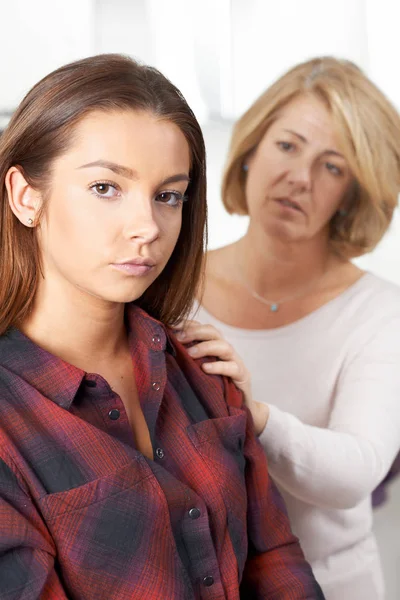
[
  {"x": 305, "y": 141},
  {"x": 131, "y": 173}
]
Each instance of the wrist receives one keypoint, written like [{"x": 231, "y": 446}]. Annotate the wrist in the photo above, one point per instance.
[{"x": 260, "y": 414}]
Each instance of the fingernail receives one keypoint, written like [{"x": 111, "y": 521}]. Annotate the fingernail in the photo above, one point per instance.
[
  {"x": 181, "y": 335},
  {"x": 193, "y": 350},
  {"x": 208, "y": 366}
]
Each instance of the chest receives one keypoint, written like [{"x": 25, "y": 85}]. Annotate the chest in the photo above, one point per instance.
[
  {"x": 297, "y": 370},
  {"x": 299, "y": 380},
  {"x": 240, "y": 309},
  {"x": 123, "y": 384},
  {"x": 129, "y": 515},
  {"x": 234, "y": 303}
]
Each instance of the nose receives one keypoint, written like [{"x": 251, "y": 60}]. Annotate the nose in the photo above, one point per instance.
[
  {"x": 141, "y": 223},
  {"x": 300, "y": 177}
]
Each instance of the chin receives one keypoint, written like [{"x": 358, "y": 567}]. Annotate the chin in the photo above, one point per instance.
[
  {"x": 283, "y": 231},
  {"x": 117, "y": 289},
  {"x": 125, "y": 296},
  {"x": 118, "y": 294}
]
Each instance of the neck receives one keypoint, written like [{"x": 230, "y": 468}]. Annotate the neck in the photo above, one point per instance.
[
  {"x": 81, "y": 329},
  {"x": 274, "y": 267}
]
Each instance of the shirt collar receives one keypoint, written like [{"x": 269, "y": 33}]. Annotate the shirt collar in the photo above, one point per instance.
[
  {"x": 58, "y": 380},
  {"x": 144, "y": 327}
]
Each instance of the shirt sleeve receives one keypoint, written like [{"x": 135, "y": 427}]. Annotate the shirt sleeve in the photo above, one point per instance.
[
  {"x": 339, "y": 466},
  {"x": 275, "y": 567},
  {"x": 26, "y": 553}
]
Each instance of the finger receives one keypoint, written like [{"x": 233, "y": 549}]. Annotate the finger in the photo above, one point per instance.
[
  {"x": 218, "y": 348},
  {"x": 226, "y": 368},
  {"x": 195, "y": 326},
  {"x": 198, "y": 332}
]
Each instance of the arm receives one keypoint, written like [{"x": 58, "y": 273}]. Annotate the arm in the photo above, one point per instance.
[
  {"x": 26, "y": 553},
  {"x": 340, "y": 466},
  {"x": 276, "y": 568}
]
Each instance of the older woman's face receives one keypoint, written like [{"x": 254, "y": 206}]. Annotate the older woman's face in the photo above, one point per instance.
[
  {"x": 114, "y": 212},
  {"x": 297, "y": 177}
]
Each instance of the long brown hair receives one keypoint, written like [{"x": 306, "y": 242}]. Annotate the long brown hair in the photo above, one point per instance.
[{"x": 42, "y": 129}]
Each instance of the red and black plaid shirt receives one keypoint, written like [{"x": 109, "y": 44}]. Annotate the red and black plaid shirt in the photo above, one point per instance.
[{"x": 84, "y": 515}]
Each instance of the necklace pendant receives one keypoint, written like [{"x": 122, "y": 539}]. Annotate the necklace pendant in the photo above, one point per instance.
[{"x": 274, "y": 307}]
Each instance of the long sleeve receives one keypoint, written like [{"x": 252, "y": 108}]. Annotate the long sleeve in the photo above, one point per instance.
[
  {"x": 339, "y": 466},
  {"x": 275, "y": 568},
  {"x": 26, "y": 553}
]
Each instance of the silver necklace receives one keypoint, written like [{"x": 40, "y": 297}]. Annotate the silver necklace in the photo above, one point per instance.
[{"x": 275, "y": 304}]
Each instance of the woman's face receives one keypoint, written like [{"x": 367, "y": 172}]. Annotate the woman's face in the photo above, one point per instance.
[
  {"x": 114, "y": 212},
  {"x": 297, "y": 177}
]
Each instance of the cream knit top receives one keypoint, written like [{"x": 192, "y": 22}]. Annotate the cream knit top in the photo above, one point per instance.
[{"x": 332, "y": 380}]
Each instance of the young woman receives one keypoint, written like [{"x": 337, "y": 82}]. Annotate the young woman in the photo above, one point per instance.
[
  {"x": 315, "y": 162},
  {"x": 125, "y": 472}
]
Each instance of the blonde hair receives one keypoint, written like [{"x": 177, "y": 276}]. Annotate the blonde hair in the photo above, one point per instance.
[{"x": 368, "y": 127}]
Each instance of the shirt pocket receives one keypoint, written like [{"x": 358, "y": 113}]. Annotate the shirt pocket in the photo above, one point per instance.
[
  {"x": 123, "y": 478},
  {"x": 106, "y": 531},
  {"x": 220, "y": 442}
]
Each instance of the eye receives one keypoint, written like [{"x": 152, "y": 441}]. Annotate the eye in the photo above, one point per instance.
[
  {"x": 286, "y": 146},
  {"x": 333, "y": 169},
  {"x": 104, "y": 189},
  {"x": 171, "y": 198}
]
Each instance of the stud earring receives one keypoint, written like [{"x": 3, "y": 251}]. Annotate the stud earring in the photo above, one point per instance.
[
  {"x": 245, "y": 168},
  {"x": 30, "y": 221}
]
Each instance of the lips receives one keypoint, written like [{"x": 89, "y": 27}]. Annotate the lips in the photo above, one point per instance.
[
  {"x": 289, "y": 203},
  {"x": 145, "y": 262},
  {"x": 135, "y": 266}
]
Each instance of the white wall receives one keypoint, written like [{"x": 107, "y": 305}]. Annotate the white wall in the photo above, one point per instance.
[
  {"x": 270, "y": 37},
  {"x": 158, "y": 33},
  {"x": 383, "y": 18},
  {"x": 123, "y": 26},
  {"x": 38, "y": 36}
]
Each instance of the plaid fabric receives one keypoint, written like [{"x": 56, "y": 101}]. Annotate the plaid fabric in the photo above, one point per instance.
[{"x": 84, "y": 515}]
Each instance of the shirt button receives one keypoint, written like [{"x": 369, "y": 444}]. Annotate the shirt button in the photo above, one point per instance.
[
  {"x": 160, "y": 453},
  {"x": 114, "y": 414},
  {"x": 156, "y": 386},
  {"x": 208, "y": 581},
  {"x": 156, "y": 339},
  {"x": 194, "y": 513}
]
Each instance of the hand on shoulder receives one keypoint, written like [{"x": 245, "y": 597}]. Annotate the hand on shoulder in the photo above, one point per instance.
[{"x": 209, "y": 342}]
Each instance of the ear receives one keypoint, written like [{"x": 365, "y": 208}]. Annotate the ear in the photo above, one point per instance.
[{"x": 24, "y": 200}]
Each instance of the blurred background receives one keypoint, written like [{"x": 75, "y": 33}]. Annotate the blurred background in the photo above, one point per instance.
[{"x": 222, "y": 54}]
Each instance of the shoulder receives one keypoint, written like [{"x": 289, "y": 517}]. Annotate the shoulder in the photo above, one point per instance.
[
  {"x": 219, "y": 276},
  {"x": 369, "y": 319},
  {"x": 214, "y": 392},
  {"x": 377, "y": 297},
  {"x": 216, "y": 262}
]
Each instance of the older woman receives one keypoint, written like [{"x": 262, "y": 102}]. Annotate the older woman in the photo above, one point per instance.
[
  {"x": 125, "y": 472},
  {"x": 315, "y": 163}
]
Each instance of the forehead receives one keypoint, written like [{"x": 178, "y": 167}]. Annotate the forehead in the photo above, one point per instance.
[
  {"x": 310, "y": 117},
  {"x": 126, "y": 137}
]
